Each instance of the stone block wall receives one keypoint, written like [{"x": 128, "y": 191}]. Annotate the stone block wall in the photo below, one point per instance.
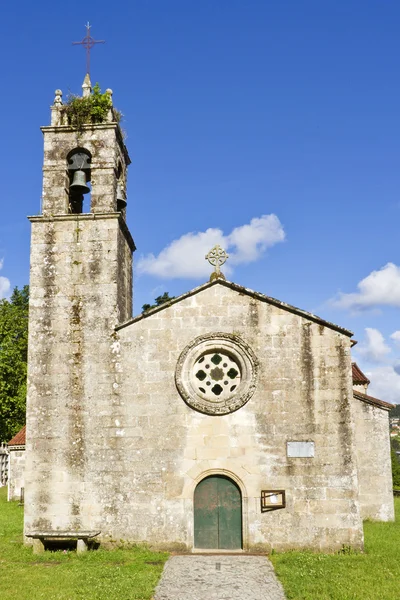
[
  {"x": 108, "y": 153},
  {"x": 17, "y": 473},
  {"x": 77, "y": 296},
  {"x": 374, "y": 462},
  {"x": 111, "y": 443},
  {"x": 161, "y": 448}
]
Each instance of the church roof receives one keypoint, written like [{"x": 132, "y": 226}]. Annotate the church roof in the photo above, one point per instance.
[
  {"x": 358, "y": 376},
  {"x": 371, "y": 400},
  {"x": 241, "y": 290},
  {"x": 19, "y": 438}
]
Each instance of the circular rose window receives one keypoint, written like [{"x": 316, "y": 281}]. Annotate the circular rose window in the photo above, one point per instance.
[{"x": 216, "y": 373}]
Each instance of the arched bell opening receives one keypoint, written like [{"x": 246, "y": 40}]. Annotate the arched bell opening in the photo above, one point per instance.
[
  {"x": 79, "y": 174},
  {"x": 218, "y": 514},
  {"x": 121, "y": 192}
]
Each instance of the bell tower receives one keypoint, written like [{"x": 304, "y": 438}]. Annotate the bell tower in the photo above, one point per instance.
[{"x": 80, "y": 289}]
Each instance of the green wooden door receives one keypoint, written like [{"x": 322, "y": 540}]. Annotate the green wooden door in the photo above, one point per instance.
[{"x": 217, "y": 514}]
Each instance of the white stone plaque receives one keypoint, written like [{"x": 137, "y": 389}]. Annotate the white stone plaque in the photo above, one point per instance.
[{"x": 300, "y": 449}]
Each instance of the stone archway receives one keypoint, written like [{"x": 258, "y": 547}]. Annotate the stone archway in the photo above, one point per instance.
[{"x": 218, "y": 514}]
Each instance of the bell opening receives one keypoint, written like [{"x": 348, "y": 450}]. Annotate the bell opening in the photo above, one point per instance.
[
  {"x": 79, "y": 193},
  {"x": 121, "y": 200},
  {"x": 79, "y": 203}
]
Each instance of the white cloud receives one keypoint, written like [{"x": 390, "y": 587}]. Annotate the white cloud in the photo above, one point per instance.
[
  {"x": 185, "y": 257},
  {"x": 385, "y": 383},
  {"x": 378, "y": 288},
  {"x": 374, "y": 349},
  {"x": 253, "y": 239},
  {"x": 384, "y": 377},
  {"x": 396, "y": 337},
  {"x": 4, "y": 283}
]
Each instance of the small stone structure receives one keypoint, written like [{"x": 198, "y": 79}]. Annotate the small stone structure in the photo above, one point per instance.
[
  {"x": 127, "y": 416},
  {"x": 16, "y": 449},
  {"x": 373, "y": 457},
  {"x": 39, "y": 539}
]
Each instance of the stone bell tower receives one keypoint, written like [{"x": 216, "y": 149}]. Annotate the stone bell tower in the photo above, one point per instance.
[{"x": 80, "y": 289}]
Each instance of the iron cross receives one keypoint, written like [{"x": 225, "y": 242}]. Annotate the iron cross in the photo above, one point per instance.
[{"x": 88, "y": 42}]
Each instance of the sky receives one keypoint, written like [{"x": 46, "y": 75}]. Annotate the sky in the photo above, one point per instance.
[{"x": 270, "y": 127}]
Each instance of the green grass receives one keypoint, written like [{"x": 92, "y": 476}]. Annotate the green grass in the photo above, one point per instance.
[
  {"x": 373, "y": 575},
  {"x": 132, "y": 574},
  {"x": 127, "y": 574}
]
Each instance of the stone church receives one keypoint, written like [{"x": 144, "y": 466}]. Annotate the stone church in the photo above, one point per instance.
[{"x": 223, "y": 419}]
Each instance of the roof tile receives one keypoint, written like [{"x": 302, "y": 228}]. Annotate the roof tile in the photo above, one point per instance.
[
  {"x": 371, "y": 400},
  {"x": 358, "y": 376},
  {"x": 19, "y": 438}
]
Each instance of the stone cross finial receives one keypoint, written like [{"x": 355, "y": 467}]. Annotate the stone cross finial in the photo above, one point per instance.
[
  {"x": 110, "y": 114},
  {"x": 217, "y": 257},
  {"x": 58, "y": 98},
  {"x": 56, "y": 113},
  {"x": 86, "y": 86}
]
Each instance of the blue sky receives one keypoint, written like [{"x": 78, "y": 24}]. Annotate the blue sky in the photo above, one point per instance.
[{"x": 271, "y": 126}]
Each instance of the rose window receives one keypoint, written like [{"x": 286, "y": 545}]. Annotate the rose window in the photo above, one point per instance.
[{"x": 216, "y": 375}]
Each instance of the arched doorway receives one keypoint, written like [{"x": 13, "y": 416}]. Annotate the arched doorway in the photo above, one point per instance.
[{"x": 217, "y": 514}]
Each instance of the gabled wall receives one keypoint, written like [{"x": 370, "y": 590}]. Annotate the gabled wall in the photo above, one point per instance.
[
  {"x": 374, "y": 463},
  {"x": 161, "y": 448},
  {"x": 16, "y": 479}
]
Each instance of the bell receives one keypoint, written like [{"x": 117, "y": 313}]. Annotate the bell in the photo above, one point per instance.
[
  {"x": 78, "y": 184},
  {"x": 121, "y": 202}
]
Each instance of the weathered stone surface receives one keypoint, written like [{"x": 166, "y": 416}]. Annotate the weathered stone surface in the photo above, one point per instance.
[
  {"x": 374, "y": 464},
  {"x": 292, "y": 402},
  {"x": 16, "y": 473},
  {"x": 80, "y": 288},
  {"x": 111, "y": 443},
  {"x": 109, "y": 157},
  {"x": 138, "y": 450}
]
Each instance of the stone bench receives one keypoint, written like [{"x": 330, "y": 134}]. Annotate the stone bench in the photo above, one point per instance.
[{"x": 82, "y": 537}]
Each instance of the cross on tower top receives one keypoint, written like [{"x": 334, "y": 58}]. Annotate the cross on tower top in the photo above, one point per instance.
[{"x": 88, "y": 42}]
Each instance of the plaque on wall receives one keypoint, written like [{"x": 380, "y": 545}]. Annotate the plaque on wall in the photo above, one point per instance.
[
  {"x": 272, "y": 499},
  {"x": 300, "y": 449}
]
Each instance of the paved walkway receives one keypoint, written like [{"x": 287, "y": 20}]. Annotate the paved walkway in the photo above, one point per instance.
[{"x": 219, "y": 577}]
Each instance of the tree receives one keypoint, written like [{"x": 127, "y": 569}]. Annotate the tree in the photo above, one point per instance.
[
  {"x": 395, "y": 469},
  {"x": 395, "y": 411},
  {"x": 13, "y": 362},
  {"x": 158, "y": 301}
]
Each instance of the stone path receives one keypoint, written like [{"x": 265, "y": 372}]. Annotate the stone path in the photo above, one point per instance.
[{"x": 219, "y": 577}]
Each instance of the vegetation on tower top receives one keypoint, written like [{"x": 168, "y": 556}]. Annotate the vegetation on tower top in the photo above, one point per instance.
[{"x": 92, "y": 109}]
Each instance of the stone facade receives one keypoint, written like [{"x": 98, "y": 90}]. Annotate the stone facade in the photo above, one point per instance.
[
  {"x": 373, "y": 457},
  {"x": 120, "y": 424},
  {"x": 303, "y": 393},
  {"x": 80, "y": 288},
  {"x": 17, "y": 469}
]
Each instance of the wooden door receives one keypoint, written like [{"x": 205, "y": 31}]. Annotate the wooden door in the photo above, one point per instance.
[{"x": 217, "y": 514}]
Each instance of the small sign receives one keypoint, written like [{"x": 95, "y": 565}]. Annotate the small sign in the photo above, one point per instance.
[
  {"x": 300, "y": 449},
  {"x": 272, "y": 499}
]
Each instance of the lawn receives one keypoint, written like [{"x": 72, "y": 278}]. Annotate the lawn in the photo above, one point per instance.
[
  {"x": 373, "y": 575},
  {"x": 132, "y": 574},
  {"x": 126, "y": 574}
]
